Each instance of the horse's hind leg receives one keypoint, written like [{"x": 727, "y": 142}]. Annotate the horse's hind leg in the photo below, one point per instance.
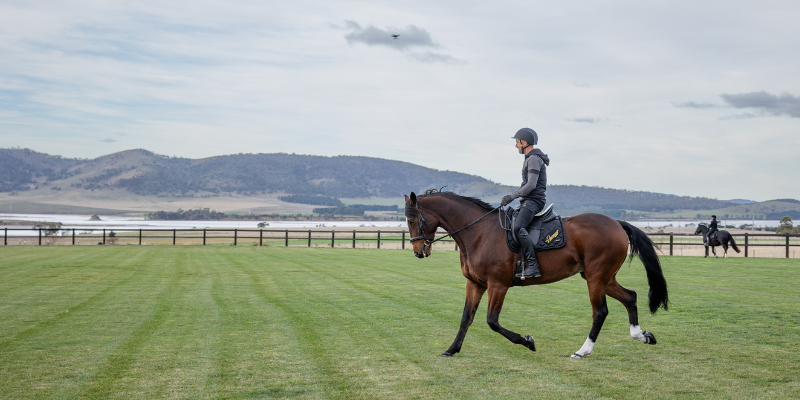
[
  {"x": 628, "y": 299},
  {"x": 474, "y": 294},
  {"x": 597, "y": 296},
  {"x": 496, "y": 297}
]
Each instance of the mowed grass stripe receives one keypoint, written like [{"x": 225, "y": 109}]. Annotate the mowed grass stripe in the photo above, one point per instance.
[
  {"x": 262, "y": 355},
  {"x": 356, "y": 311},
  {"x": 249, "y": 322}
]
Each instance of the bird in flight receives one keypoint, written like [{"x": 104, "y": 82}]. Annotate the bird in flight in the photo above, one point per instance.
[{"x": 395, "y": 36}]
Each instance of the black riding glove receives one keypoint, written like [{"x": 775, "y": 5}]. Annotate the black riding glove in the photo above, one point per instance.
[{"x": 506, "y": 200}]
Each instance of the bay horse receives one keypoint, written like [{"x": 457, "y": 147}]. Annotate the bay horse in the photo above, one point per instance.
[
  {"x": 721, "y": 239},
  {"x": 596, "y": 247}
]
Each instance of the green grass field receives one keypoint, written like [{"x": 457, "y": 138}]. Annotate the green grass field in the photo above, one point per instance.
[{"x": 269, "y": 322}]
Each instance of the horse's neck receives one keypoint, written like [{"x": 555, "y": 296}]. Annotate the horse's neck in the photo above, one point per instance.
[{"x": 453, "y": 214}]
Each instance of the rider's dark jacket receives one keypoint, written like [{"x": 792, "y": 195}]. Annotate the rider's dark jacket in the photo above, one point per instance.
[
  {"x": 534, "y": 181},
  {"x": 712, "y": 227}
]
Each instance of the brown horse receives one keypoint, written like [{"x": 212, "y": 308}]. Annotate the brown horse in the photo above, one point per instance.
[{"x": 596, "y": 248}]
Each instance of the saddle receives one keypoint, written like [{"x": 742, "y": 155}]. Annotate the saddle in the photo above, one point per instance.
[{"x": 546, "y": 230}]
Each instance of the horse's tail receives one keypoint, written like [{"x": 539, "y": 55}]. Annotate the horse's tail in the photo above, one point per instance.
[
  {"x": 733, "y": 244},
  {"x": 642, "y": 246}
]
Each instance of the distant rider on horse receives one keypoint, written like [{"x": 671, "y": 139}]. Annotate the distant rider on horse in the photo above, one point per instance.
[
  {"x": 531, "y": 195},
  {"x": 712, "y": 228}
]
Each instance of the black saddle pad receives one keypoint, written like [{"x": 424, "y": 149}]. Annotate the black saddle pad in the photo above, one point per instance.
[{"x": 546, "y": 231}]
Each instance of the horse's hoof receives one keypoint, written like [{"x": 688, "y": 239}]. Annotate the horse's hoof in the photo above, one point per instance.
[
  {"x": 575, "y": 355},
  {"x": 445, "y": 354},
  {"x": 650, "y": 338},
  {"x": 529, "y": 343}
]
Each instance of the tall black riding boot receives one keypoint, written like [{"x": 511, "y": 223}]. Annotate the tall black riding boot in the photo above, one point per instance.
[{"x": 529, "y": 255}]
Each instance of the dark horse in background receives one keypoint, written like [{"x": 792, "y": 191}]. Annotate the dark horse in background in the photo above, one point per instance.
[
  {"x": 721, "y": 238},
  {"x": 596, "y": 248}
]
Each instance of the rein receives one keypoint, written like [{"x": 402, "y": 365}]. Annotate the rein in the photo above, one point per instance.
[{"x": 429, "y": 242}]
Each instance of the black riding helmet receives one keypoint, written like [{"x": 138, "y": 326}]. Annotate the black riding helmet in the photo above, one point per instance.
[{"x": 528, "y": 135}]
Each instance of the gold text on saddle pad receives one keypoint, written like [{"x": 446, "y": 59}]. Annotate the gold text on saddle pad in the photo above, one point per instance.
[{"x": 551, "y": 237}]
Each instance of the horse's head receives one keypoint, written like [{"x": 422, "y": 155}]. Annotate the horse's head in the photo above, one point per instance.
[
  {"x": 422, "y": 227},
  {"x": 700, "y": 229}
]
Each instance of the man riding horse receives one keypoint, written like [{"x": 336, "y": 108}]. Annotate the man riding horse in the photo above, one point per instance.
[
  {"x": 712, "y": 229},
  {"x": 532, "y": 197}
]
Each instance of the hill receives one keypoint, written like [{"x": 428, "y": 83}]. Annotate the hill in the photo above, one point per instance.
[{"x": 138, "y": 173}]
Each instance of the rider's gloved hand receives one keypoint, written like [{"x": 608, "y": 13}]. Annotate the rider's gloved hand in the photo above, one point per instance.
[{"x": 506, "y": 199}]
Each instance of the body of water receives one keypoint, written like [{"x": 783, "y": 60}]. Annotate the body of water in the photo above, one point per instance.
[{"x": 82, "y": 223}]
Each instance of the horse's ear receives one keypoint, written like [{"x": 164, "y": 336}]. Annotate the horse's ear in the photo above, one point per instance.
[
  {"x": 413, "y": 199},
  {"x": 406, "y": 196}
]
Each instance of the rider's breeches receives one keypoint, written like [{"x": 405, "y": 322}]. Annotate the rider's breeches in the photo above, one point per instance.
[{"x": 524, "y": 218}]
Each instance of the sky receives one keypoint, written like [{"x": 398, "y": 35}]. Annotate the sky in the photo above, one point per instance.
[{"x": 694, "y": 98}]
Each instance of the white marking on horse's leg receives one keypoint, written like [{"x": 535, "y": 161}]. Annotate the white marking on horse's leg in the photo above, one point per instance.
[
  {"x": 587, "y": 348},
  {"x": 637, "y": 334}
]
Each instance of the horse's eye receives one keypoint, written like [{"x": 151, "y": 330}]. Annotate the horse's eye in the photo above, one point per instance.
[{"x": 411, "y": 222}]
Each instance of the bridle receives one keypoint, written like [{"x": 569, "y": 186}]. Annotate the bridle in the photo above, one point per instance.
[{"x": 428, "y": 242}]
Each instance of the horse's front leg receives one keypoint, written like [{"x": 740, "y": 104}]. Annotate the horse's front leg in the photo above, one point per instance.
[
  {"x": 496, "y": 297},
  {"x": 474, "y": 295},
  {"x": 714, "y": 250}
]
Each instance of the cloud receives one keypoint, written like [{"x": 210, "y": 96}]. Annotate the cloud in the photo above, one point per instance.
[
  {"x": 431, "y": 57},
  {"x": 580, "y": 84},
  {"x": 410, "y": 37},
  {"x": 587, "y": 120},
  {"x": 784, "y": 104},
  {"x": 741, "y": 116},
  {"x": 692, "y": 104},
  {"x": 121, "y": 134},
  {"x": 108, "y": 140}
]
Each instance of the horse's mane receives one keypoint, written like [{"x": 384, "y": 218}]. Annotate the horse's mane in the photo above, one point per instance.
[{"x": 437, "y": 192}]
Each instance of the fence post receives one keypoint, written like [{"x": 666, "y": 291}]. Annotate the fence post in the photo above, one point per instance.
[
  {"x": 204, "y": 236},
  {"x": 104, "y": 236},
  {"x": 670, "y": 244},
  {"x": 5, "y": 236},
  {"x": 173, "y": 237},
  {"x": 73, "y": 236},
  {"x": 787, "y": 245},
  {"x": 287, "y": 238},
  {"x": 745, "y": 244},
  {"x": 354, "y": 238},
  {"x": 333, "y": 237},
  {"x": 379, "y": 238},
  {"x": 456, "y": 249},
  {"x": 260, "y": 237},
  {"x": 40, "y": 236},
  {"x": 140, "y": 236},
  {"x": 404, "y": 240},
  {"x": 235, "y": 236},
  {"x": 309, "y": 238}
]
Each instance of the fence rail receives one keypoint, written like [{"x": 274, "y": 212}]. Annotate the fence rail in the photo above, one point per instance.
[{"x": 672, "y": 242}]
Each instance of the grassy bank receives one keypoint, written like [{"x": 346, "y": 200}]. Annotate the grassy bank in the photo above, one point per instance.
[{"x": 272, "y": 322}]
